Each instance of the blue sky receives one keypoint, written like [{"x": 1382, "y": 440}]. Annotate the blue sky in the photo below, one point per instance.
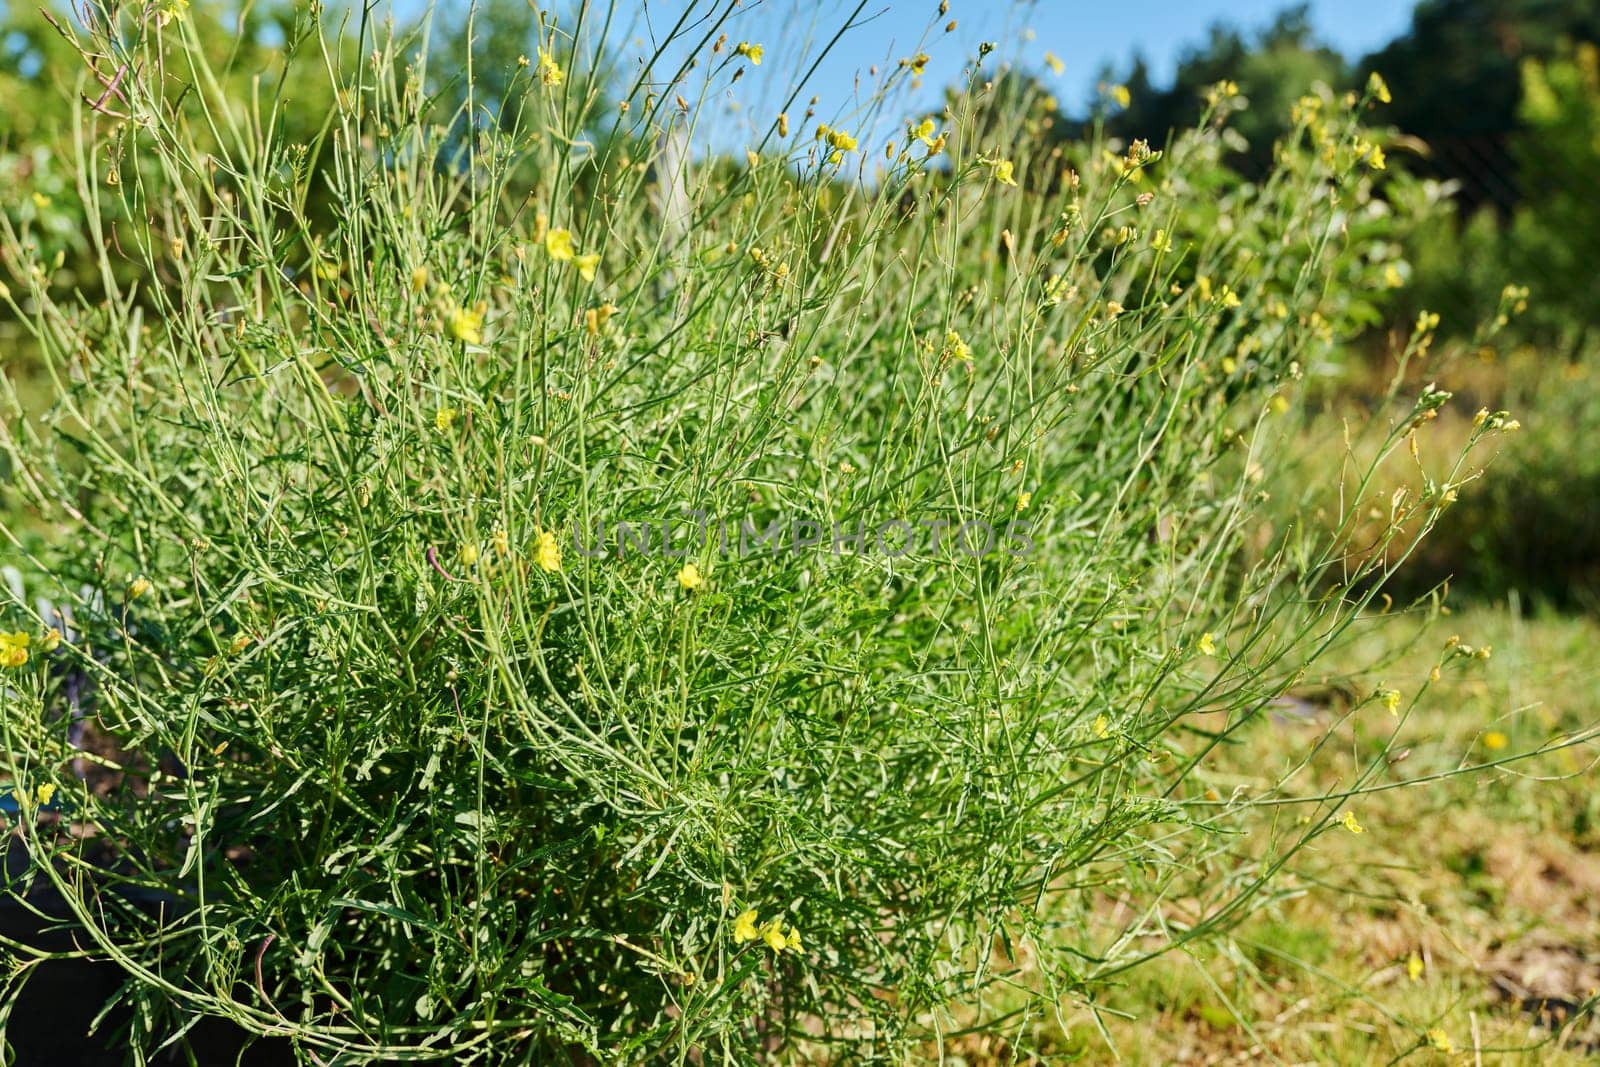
[{"x": 1084, "y": 35}]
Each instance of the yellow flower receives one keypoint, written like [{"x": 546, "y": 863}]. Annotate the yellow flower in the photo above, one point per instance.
[
  {"x": 1228, "y": 298},
  {"x": 469, "y": 554},
  {"x": 1102, "y": 726},
  {"x": 1208, "y": 644},
  {"x": 1280, "y": 403},
  {"x": 1494, "y": 740},
  {"x": 752, "y": 52},
  {"x": 444, "y": 418},
  {"x": 744, "y": 927},
  {"x": 50, "y": 640},
  {"x": 466, "y": 325},
  {"x": 595, "y": 319},
  {"x": 558, "y": 244},
  {"x": 586, "y": 264},
  {"x": 1441, "y": 1041},
  {"x": 14, "y": 649},
  {"x": 1023, "y": 500},
  {"x": 1414, "y": 968},
  {"x": 841, "y": 141},
  {"x": 918, "y": 64},
  {"x": 1351, "y": 824},
  {"x": 794, "y": 938},
  {"x": 1114, "y": 308},
  {"x": 171, "y": 12},
  {"x": 1379, "y": 88},
  {"x": 1120, "y": 94},
  {"x": 1376, "y": 159},
  {"x": 956, "y": 348},
  {"x": 1003, "y": 172},
  {"x": 419, "y": 279},
  {"x": 45, "y": 793},
  {"x": 690, "y": 578},
  {"x": 1052, "y": 61},
  {"x": 1223, "y": 90},
  {"x": 41, "y": 201},
  {"x": 923, "y": 131},
  {"x": 1391, "y": 701},
  {"x": 772, "y": 934},
  {"x": 546, "y": 553},
  {"x": 549, "y": 69},
  {"x": 500, "y": 542},
  {"x": 138, "y": 588}
]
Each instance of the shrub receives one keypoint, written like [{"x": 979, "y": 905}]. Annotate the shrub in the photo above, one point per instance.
[
  {"x": 385, "y": 762},
  {"x": 1527, "y": 527},
  {"x": 1547, "y": 240}
]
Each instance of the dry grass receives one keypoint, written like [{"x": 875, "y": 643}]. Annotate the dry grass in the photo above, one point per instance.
[{"x": 1470, "y": 908}]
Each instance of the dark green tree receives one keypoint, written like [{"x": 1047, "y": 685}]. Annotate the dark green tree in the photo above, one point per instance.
[
  {"x": 1456, "y": 76},
  {"x": 1282, "y": 62}
]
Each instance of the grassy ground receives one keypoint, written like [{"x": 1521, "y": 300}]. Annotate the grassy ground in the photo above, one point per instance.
[{"x": 1466, "y": 916}]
